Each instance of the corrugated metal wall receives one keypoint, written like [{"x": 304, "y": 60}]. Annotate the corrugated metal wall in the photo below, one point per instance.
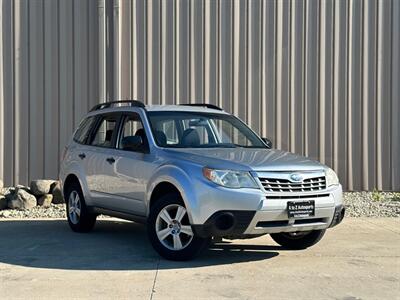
[
  {"x": 320, "y": 78},
  {"x": 49, "y": 78}
]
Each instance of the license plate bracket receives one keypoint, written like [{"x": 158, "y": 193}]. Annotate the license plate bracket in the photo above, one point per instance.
[{"x": 301, "y": 209}]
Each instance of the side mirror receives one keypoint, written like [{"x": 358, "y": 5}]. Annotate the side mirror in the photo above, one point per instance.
[
  {"x": 132, "y": 143},
  {"x": 267, "y": 142}
]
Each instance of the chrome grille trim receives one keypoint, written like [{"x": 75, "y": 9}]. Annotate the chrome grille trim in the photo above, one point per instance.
[{"x": 313, "y": 184}]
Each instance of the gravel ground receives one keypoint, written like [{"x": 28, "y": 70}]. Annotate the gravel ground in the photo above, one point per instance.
[
  {"x": 358, "y": 204},
  {"x": 38, "y": 212},
  {"x": 372, "y": 204}
]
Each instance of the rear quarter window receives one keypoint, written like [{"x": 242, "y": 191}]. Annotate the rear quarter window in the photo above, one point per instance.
[{"x": 82, "y": 134}]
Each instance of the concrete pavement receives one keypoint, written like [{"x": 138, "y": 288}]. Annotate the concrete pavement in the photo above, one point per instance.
[{"x": 43, "y": 259}]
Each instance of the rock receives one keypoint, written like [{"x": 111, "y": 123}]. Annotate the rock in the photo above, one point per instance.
[
  {"x": 5, "y": 213},
  {"x": 21, "y": 199},
  {"x": 3, "y": 202},
  {"x": 41, "y": 187},
  {"x": 45, "y": 200},
  {"x": 7, "y": 190},
  {"x": 55, "y": 190}
]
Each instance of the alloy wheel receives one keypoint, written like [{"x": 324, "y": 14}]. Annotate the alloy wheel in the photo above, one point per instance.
[
  {"x": 173, "y": 228},
  {"x": 74, "y": 207}
]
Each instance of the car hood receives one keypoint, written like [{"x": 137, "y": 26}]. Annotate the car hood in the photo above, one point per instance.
[{"x": 247, "y": 159}]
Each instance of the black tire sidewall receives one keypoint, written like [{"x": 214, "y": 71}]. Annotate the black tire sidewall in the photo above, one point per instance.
[
  {"x": 86, "y": 220},
  {"x": 189, "y": 252},
  {"x": 298, "y": 243}
]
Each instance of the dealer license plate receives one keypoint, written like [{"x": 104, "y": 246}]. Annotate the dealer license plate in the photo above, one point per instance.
[{"x": 301, "y": 209}]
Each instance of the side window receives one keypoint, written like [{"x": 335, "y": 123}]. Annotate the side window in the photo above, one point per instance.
[
  {"x": 132, "y": 126},
  {"x": 104, "y": 132},
  {"x": 82, "y": 134}
]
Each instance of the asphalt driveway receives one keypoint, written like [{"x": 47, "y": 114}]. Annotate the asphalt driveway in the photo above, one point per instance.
[{"x": 43, "y": 259}]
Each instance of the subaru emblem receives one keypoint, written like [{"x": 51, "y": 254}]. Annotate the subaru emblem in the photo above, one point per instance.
[{"x": 296, "y": 177}]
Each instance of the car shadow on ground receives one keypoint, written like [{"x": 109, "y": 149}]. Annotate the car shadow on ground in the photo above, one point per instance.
[{"x": 112, "y": 245}]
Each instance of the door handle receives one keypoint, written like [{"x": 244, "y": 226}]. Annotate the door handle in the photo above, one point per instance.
[
  {"x": 111, "y": 160},
  {"x": 82, "y": 156}
]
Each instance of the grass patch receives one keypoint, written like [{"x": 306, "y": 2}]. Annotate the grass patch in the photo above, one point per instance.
[{"x": 377, "y": 196}]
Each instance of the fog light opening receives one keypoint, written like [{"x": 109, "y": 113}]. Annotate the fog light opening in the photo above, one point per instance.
[{"x": 225, "y": 222}]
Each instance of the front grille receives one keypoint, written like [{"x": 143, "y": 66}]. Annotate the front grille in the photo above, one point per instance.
[{"x": 285, "y": 185}]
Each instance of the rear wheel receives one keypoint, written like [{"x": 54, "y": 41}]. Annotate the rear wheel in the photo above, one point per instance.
[
  {"x": 298, "y": 240},
  {"x": 170, "y": 232},
  {"x": 79, "y": 218}
]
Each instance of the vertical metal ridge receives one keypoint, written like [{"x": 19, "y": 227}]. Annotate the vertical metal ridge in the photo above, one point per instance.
[
  {"x": 395, "y": 180},
  {"x": 279, "y": 38},
  {"x": 378, "y": 97},
  {"x": 349, "y": 96},
  {"x": 1, "y": 95},
  {"x": 321, "y": 77}
]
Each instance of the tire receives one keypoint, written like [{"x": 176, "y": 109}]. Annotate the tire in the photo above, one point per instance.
[
  {"x": 299, "y": 241},
  {"x": 81, "y": 221},
  {"x": 165, "y": 230}
]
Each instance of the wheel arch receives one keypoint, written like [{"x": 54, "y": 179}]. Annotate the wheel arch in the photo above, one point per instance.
[
  {"x": 171, "y": 179},
  {"x": 74, "y": 177},
  {"x": 161, "y": 189},
  {"x": 68, "y": 181}
]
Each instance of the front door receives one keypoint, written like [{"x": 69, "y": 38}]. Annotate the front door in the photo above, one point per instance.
[{"x": 132, "y": 169}]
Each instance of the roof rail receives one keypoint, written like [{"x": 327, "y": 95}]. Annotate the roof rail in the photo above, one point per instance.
[
  {"x": 134, "y": 103},
  {"x": 212, "y": 106}
]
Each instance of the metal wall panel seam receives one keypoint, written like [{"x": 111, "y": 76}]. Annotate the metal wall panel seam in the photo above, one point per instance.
[
  {"x": 306, "y": 33},
  {"x": 36, "y": 82},
  {"x": 249, "y": 74},
  {"x": 133, "y": 51},
  {"x": 365, "y": 74},
  {"x": 207, "y": 50},
  {"x": 59, "y": 145},
  {"x": 21, "y": 60},
  {"x": 278, "y": 46},
  {"x": 378, "y": 104},
  {"x": 292, "y": 116},
  {"x": 322, "y": 88},
  {"x": 350, "y": 98},
  {"x": 395, "y": 185},
  {"x": 2, "y": 124}
]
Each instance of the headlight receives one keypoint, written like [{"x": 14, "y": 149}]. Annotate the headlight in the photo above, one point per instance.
[
  {"x": 230, "y": 179},
  {"x": 331, "y": 177}
]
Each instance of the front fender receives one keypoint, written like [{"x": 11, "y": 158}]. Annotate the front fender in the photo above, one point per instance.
[{"x": 177, "y": 177}]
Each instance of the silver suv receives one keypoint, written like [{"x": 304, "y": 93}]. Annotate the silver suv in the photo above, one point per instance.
[{"x": 192, "y": 173}]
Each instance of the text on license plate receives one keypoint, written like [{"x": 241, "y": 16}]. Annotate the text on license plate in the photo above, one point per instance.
[{"x": 301, "y": 209}]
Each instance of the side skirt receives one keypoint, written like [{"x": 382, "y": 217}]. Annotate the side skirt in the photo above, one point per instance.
[{"x": 117, "y": 214}]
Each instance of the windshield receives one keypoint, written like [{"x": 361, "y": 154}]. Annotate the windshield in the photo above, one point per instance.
[{"x": 201, "y": 130}]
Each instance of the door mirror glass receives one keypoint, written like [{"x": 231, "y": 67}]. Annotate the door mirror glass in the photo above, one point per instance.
[
  {"x": 132, "y": 143},
  {"x": 267, "y": 142}
]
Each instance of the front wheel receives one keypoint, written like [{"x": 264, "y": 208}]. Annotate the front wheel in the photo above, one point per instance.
[
  {"x": 170, "y": 232},
  {"x": 298, "y": 240}
]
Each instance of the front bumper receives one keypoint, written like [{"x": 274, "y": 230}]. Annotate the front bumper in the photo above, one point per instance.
[{"x": 271, "y": 216}]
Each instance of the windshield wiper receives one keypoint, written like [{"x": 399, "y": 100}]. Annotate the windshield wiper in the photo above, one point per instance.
[{"x": 222, "y": 145}]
